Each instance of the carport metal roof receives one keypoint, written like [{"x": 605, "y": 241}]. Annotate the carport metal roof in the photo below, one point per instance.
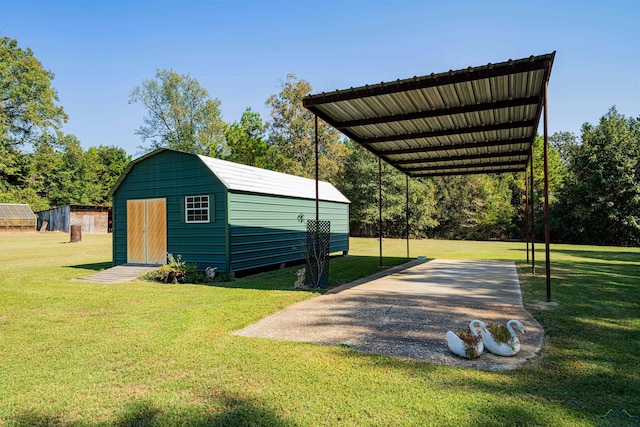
[{"x": 470, "y": 121}]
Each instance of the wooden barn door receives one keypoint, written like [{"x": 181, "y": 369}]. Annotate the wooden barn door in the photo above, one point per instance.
[{"x": 147, "y": 231}]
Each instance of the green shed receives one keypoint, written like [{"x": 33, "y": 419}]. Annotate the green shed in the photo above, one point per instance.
[{"x": 217, "y": 213}]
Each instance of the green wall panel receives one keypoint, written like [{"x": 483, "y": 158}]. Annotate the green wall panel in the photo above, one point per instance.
[{"x": 266, "y": 230}]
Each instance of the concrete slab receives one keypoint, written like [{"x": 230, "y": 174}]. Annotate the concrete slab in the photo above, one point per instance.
[
  {"x": 407, "y": 313},
  {"x": 119, "y": 274}
]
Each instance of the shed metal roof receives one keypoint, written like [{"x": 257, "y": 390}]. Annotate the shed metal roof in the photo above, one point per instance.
[
  {"x": 238, "y": 177},
  {"x": 474, "y": 120},
  {"x": 16, "y": 211}
]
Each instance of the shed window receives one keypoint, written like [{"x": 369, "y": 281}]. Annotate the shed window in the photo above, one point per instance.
[{"x": 196, "y": 209}]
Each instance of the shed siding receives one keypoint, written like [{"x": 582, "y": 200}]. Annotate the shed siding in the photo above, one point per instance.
[
  {"x": 91, "y": 222},
  {"x": 60, "y": 218},
  {"x": 266, "y": 229},
  {"x": 174, "y": 175},
  {"x": 57, "y": 218}
]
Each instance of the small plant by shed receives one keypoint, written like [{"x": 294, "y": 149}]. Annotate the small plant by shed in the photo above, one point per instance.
[{"x": 217, "y": 213}]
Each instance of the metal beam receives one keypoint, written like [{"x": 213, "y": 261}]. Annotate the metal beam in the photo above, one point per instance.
[
  {"x": 511, "y": 103},
  {"x": 452, "y": 77},
  {"x": 548, "y": 64},
  {"x": 547, "y": 226},
  {"x": 526, "y": 210},
  {"x": 317, "y": 176},
  {"x": 407, "y": 211},
  {"x": 533, "y": 216},
  {"x": 449, "y": 132},
  {"x": 476, "y": 172},
  {"x": 472, "y": 163},
  {"x": 463, "y": 146},
  {"x": 380, "y": 206},
  {"x": 500, "y": 154},
  {"x": 468, "y": 166}
]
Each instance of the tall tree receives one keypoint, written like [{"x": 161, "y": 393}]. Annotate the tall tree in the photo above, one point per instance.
[
  {"x": 28, "y": 113},
  {"x": 246, "y": 140},
  {"x": 108, "y": 163},
  {"x": 601, "y": 197},
  {"x": 557, "y": 173},
  {"x": 180, "y": 115},
  {"x": 566, "y": 143},
  {"x": 14, "y": 166},
  {"x": 28, "y": 106},
  {"x": 360, "y": 185},
  {"x": 65, "y": 175},
  {"x": 291, "y": 132}
]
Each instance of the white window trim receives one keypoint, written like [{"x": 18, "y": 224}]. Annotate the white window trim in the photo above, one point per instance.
[{"x": 187, "y": 209}]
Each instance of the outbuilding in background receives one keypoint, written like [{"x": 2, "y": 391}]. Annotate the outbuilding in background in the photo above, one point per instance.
[
  {"x": 217, "y": 213},
  {"x": 92, "y": 219},
  {"x": 16, "y": 218}
]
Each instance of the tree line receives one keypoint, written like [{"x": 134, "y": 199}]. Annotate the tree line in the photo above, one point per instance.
[{"x": 594, "y": 177}]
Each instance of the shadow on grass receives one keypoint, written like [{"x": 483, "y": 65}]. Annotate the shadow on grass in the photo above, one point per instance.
[
  {"x": 589, "y": 363},
  {"x": 223, "y": 410},
  {"x": 608, "y": 254},
  {"x": 616, "y": 255},
  {"x": 96, "y": 266},
  {"x": 343, "y": 269},
  {"x": 594, "y": 340}
]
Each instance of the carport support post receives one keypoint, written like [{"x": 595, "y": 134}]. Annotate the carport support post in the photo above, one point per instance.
[
  {"x": 407, "y": 211},
  {"x": 547, "y": 231},
  {"x": 526, "y": 210},
  {"x": 380, "y": 206},
  {"x": 533, "y": 218},
  {"x": 317, "y": 195}
]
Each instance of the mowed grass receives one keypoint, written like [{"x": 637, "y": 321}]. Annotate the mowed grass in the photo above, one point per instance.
[{"x": 79, "y": 353}]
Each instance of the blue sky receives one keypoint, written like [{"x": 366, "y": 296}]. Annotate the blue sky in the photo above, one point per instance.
[{"x": 241, "y": 50}]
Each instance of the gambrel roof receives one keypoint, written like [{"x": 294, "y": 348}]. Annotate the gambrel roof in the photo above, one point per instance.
[{"x": 249, "y": 179}]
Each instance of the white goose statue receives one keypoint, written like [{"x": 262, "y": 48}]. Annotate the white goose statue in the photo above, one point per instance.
[
  {"x": 509, "y": 348},
  {"x": 465, "y": 349}
]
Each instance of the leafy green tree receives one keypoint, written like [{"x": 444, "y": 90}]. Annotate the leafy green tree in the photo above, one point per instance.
[
  {"x": 557, "y": 173},
  {"x": 291, "y": 134},
  {"x": 474, "y": 207},
  {"x": 58, "y": 171},
  {"x": 14, "y": 166},
  {"x": 107, "y": 163},
  {"x": 601, "y": 196},
  {"x": 59, "y": 176},
  {"x": 246, "y": 140},
  {"x": 180, "y": 115},
  {"x": 566, "y": 143},
  {"x": 360, "y": 185},
  {"x": 490, "y": 213},
  {"x": 25, "y": 195},
  {"x": 28, "y": 113},
  {"x": 64, "y": 174},
  {"x": 28, "y": 106}
]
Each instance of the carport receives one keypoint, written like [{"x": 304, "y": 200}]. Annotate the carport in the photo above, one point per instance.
[{"x": 476, "y": 120}]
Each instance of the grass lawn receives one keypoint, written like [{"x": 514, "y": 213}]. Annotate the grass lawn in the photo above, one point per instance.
[{"x": 76, "y": 353}]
